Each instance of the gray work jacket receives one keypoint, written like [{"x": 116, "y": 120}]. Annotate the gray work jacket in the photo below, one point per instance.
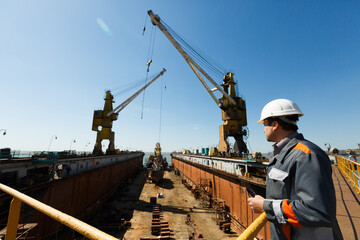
[{"x": 300, "y": 197}]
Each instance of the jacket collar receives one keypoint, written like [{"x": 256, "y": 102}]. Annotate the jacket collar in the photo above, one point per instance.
[{"x": 293, "y": 141}]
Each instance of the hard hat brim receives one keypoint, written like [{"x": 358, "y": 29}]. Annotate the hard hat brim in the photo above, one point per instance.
[{"x": 261, "y": 121}]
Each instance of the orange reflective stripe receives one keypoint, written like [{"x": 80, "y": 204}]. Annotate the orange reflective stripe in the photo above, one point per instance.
[
  {"x": 290, "y": 214},
  {"x": 302, "y": 147},
  {"x": 287, "y": 231}
]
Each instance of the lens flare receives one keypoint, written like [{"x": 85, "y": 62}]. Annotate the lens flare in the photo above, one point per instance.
[{"x": 104, "y": 27}]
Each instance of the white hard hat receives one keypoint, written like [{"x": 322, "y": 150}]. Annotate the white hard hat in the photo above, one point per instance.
[{"x": 279, "y": 108}]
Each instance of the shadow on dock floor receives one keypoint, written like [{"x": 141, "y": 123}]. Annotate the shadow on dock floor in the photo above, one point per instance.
[{"x": 348, "y": 206}]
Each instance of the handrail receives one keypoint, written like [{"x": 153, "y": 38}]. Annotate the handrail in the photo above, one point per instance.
[
  {"x": 351, "y": 171},
  {"x": 254, "y": 228},
  {"x": 73, "y": 223}
]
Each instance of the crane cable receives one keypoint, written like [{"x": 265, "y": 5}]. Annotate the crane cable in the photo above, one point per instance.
[
  {"x": 161, "y": 101},
  {"x": 126, "y": 88},
  {"x": 144, "y": 29},
  {"x": 203, "y": 59},
  {"x": 130, "y": 86},
  {"x": 207, "y": 62},
  {"x": 149, "y": 61}
]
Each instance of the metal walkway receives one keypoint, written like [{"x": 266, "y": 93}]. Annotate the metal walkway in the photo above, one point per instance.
[{"x": 348, "y": 206}]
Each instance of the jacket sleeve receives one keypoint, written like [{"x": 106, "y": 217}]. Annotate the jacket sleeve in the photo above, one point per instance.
[{"x": 312, "y": 202}]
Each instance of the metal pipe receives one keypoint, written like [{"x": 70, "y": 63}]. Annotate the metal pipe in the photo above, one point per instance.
[
  {"x": 254, "y": 228},
  {"x": 73, "y": 223},
  {"x": 13, "y": 219}
]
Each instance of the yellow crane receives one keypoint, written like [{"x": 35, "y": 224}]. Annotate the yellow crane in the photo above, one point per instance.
[
  {"x": 233, "y": 107},
  {"x": 104, "y": 118}
]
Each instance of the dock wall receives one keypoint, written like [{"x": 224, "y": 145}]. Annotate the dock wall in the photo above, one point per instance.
[
  {"x": 82, "y": 194},
  {"x": 227, "y": 187}
]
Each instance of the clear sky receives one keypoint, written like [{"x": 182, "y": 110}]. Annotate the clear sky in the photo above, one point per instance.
[{"x": 57, "y": 58}]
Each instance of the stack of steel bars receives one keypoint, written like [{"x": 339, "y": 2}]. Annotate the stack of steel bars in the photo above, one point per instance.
[{"x": 158, "y": 228}]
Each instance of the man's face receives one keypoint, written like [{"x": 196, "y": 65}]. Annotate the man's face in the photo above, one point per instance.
[{"x": 269, "y": 130}]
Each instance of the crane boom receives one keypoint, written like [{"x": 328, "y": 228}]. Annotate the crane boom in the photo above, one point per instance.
[
  {"x": 155, "y": 19},
  {"x": 130, "y": 99}
]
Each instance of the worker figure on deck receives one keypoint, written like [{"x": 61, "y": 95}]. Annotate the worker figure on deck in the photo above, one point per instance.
[{"x": 300, "y": 197}]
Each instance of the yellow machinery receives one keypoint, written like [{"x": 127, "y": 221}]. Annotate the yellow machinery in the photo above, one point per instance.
[
  {"x": 101, "y": 119},
  {"x": 104, "y": 118},
  {"x": 158, "y": 150},
  {"x": 233, "y": 107},
  {"x": 234, "y": 117}
]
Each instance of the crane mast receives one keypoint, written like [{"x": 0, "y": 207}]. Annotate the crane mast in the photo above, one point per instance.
[
  {"x": 233, "y": 107},
  {"x": 104, "y": 118}
]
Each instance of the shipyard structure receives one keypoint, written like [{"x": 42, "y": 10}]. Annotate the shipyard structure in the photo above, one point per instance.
[
  {"x": 76, "y": 185},
  {"x": 221, "y": 183}
]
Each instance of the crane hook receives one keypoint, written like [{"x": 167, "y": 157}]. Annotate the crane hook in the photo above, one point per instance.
[{"x": 148, "y": 65}]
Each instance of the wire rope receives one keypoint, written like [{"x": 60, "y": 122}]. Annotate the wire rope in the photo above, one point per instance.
[
  {"x": 123, "y": 86},
  {"x": 200, "y": 57},
  {"x": 206, "y": 62},
  {"x": 161, "y": 101},
  {"x": 153, "y": 44},
  {"x": 144, "y": 29},
  {"x": 124, "y": 90},
  {"x": 150, "y": 51},
  {"x": 195, "y": 55}
]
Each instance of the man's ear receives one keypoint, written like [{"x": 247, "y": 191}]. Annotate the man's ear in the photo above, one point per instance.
[{"x": 275, "y": 125}]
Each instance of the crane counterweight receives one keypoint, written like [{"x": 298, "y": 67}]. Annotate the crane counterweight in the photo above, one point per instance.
[{"x": 102, "y": 119}]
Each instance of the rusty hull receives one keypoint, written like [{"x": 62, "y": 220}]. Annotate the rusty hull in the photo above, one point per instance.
[{"x": 80, "y": 195}]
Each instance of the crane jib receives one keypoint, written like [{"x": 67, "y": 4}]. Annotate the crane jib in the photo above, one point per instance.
[
  {"x": 129, "y": 100},
  {"x": 155, "y": 19}
]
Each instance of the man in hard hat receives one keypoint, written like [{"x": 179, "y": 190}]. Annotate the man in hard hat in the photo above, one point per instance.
[{"x": 300, "y": 197}]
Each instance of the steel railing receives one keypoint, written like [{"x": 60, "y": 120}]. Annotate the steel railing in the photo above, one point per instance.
[
  {"x": 254, "y": 228},
  {"x": 351, "y": 170},
  {"x": 73, "y": 223}
]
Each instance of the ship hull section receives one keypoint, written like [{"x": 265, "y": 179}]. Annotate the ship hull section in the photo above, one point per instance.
[
  {"x": 80, "y": 195},
  {"x": 229, "y": 188}
]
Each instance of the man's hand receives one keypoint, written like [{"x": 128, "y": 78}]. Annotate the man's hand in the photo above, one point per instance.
[{"x": 256, "y": 203}]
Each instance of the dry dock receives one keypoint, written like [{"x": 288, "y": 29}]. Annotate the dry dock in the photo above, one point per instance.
[
  {"x": 139, "y": 207},
  {"x": 176, "y": 204}
]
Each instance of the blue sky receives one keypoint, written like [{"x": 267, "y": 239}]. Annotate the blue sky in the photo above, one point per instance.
[{"x": 56, "y": 61}]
